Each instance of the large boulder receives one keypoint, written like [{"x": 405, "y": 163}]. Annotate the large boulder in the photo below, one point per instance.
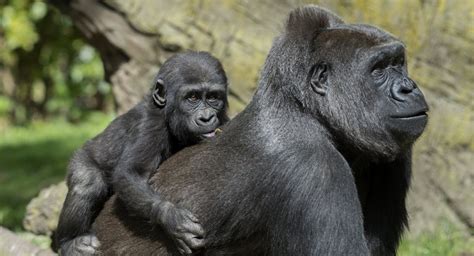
[{"x": 42, "y": 213}]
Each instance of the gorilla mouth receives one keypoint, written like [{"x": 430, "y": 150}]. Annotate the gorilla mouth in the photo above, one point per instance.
[
  {"x": 209, "y": 134},
  {"x": 421, "y": 113}
]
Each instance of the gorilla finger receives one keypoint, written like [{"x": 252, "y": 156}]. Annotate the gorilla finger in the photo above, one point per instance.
[
  {"x": 192, "y": 217},
  {"x": 86, "y": 242},
  {"x": 194, "y": 228},
  {"x": 95, "y": 242},
  {"x": 194, "y": 242},
  {"x": 82, "y": 249},
  {"x": 87, "y": 251},
  {"x": 183, "y": 247}
]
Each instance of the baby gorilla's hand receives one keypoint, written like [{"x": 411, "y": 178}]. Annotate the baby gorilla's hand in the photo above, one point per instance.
[
  {"x": 80, "y": 246},
  {"x": 182, "y": 226}
]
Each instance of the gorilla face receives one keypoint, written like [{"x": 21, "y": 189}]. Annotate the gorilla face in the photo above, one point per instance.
[
  {"x": 200, "y": 105},
  {"x": 192, "y": 88},
  {"x": 404, "y": 108},
  {"x": 366, "y": 95}
]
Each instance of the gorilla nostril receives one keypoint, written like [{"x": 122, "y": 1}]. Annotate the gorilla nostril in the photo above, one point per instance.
[
  {"x": 397, "y": 92},
  {"x": 406, "y": 90},
  {"x": 206, "y": 119},
  {"x": 407, "y": 86}
]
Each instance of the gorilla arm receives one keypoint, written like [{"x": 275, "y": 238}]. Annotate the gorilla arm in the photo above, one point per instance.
[
  {"x": 130, "y": 182},
  {"x": 324, "y": 204}
]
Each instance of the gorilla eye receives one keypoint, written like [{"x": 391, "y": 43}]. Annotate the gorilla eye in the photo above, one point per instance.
[
  {"x": 193, "y": 97},
  {"x": 212, "y": 97},
  {"x": 377, "y": 71},
  {"x": 380, "y": 65}
]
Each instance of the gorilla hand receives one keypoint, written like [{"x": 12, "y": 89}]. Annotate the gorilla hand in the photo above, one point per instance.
[
  {"x": 182, "y": 226},
  {"x": 79, "y": 246}
]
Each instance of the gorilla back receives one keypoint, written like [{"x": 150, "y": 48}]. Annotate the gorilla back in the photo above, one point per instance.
[{"x": 318, "y": 163}]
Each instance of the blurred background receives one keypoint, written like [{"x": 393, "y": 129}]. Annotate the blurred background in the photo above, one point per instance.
[{"x": 67, "y": 68}]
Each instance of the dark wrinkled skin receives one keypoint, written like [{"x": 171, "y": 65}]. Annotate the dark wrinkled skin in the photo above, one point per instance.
[
  {"x": 319, "y": 163},
  {"x": 187, "y": 103}
]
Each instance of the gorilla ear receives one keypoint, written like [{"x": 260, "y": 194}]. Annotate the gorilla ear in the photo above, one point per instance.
[
  {"x": 319, "y": 77},
  {"x": 303, "y": 21},
  {"x": 158, "y": 93}
]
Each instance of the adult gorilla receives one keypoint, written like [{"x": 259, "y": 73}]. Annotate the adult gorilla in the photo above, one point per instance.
[{"x": 319, "y": 162}]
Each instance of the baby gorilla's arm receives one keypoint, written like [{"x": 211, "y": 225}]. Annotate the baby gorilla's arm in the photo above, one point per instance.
[{"x": 130, "y": 182}]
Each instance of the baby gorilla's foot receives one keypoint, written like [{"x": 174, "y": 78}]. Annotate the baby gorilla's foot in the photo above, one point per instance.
[{"x": 81, "y": 245}]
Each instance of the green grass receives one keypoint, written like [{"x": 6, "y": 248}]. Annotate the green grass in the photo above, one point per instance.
[
  {"x": 445, "y": 241},
  {"x": 36, "y": 156}
]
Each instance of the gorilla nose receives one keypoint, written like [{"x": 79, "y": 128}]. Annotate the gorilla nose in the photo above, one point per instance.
[
  {"x": 401, "y": 90},
  {"x": 206, "y": 119}
]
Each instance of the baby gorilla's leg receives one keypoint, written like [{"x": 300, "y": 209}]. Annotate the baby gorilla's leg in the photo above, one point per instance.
[{"x": 86, "y": 196}]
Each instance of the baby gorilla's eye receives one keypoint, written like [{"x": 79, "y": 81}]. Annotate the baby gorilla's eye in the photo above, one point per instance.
[
  {"x": 212, "y": 98},
  {"x": 192, "y": 97}
]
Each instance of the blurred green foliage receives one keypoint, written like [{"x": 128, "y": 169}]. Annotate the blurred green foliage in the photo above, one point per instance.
[
  {"x": 35, "y": 156},
  {"x": 46, "y": 69},
  {"x": 445, "y": 241}
]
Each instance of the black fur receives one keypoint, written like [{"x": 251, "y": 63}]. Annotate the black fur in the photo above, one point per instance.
[
  {"x": 123, "y": 156},
  {"x": 319, "y": 163}
]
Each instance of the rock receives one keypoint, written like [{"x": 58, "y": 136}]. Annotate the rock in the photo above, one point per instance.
[
  {"x": 42, "y": 213},
  {"x": 12, "y": 244}
]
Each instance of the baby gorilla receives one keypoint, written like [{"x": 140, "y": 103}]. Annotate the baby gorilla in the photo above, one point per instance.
[{"x": 188, "y": 102}]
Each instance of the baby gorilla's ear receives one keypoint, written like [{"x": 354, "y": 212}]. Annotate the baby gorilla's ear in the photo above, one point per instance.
[{"x": 159, "y": 93}]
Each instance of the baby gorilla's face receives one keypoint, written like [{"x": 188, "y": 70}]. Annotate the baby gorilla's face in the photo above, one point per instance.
[{"x": 198, "y": 108}]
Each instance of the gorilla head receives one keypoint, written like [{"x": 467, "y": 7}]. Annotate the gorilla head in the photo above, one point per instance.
[
  {"x": 353, "y": 78},
  {"x": 192, "y": 87}
]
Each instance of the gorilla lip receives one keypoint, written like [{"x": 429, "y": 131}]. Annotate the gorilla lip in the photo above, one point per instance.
[{"x": 421, "y": 113}]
